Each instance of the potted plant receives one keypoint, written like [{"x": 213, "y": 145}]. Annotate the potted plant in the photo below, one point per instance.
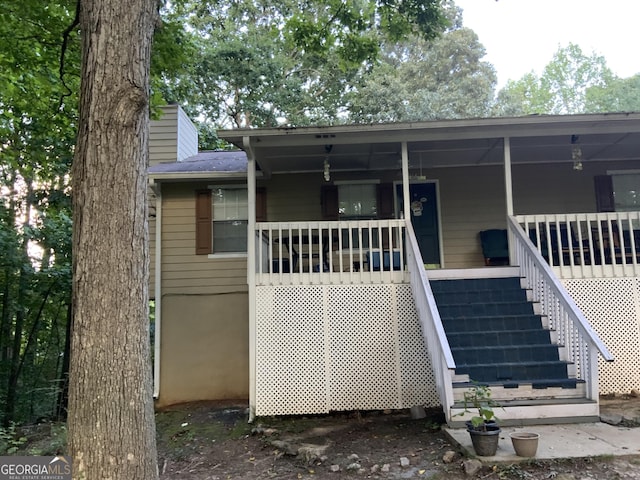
[{"x": 483, "y": 427}]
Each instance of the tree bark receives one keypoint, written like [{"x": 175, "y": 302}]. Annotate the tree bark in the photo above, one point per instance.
[{"x": 111, "y": 418}]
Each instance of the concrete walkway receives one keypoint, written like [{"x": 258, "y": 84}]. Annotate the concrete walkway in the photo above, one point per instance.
[{"x": 560, "y": 441}]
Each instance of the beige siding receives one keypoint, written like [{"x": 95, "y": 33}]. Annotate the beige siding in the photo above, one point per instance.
[
  {"x": 163, "y": 136},
  {"x": 205, "y": 348},
  {"x": 471, "y": 199},
  {"x": 183, "y": 271},
  {"x": 172, "y": 137},
  {"x": 294, "y": 198},
  {"x": 205, "y": 317},
  {"x": 559, "y": 188}
]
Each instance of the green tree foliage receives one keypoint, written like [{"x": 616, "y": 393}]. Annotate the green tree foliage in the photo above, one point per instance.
[
  {"x": 269, "y": 62},
  {"x": 620, "y": 95},
  {"x": 416, "y": 80},
  {"x": 561, "y": 89},
  {"x": 37, "y": 115}
]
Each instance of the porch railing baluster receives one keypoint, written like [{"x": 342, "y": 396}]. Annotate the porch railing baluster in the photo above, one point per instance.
[
  {"x": 564, "y": 317},
  {"x": 313, "y": 253}
]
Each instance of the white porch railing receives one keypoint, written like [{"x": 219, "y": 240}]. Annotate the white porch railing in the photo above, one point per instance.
[
  {"x": 587, "y": 245},
  {"x": 312, "y": 253},
  {"x": 581, "y": 343},
  {"x": 433, "y": 332}
]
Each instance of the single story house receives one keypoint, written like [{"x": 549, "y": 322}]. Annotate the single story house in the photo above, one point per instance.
[{"x": 361, "y": 267}]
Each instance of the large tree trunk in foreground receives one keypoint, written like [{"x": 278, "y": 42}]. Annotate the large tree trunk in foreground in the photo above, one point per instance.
[{"x": 111, "y": 422}]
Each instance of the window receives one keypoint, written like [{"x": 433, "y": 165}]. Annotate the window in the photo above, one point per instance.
[
  {"x": 626, "y": 191},
  {"x": 230, "y": 212},
  {"x": 357, "y": 201}
]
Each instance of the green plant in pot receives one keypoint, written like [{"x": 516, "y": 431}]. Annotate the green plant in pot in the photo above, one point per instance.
[{"x": 483, "y": 427}]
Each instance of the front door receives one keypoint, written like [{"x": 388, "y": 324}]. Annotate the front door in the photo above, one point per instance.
[{"x": 424, "y": 218}]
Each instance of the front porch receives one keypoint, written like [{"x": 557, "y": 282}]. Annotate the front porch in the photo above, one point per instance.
[
  {"x": 504, "y": 174},
  {"x": 336, "y": 330}
]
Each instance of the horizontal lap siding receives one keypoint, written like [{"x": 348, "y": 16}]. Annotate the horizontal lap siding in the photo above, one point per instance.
[
  {"x": 294, "y": 198},
  {"x": 184, "y": 272},
  {"x": 540, "y": 189},
  {"x": 163, "y": 137},
  {"x": 471, "y": 200}
]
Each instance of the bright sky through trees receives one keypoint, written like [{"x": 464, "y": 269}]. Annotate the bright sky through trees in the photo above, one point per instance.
[{"x": 522, "y": 35}]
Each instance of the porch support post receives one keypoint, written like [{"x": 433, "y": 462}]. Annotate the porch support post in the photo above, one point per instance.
[
  {"x": 405, "y": 181},
  {"x": 507, "y": 176},
  {"x": 508, "y": 187},
  {"x": 251, "y": 271}
]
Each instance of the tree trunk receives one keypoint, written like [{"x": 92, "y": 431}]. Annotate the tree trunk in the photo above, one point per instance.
[{"x": 111, "y": 418}]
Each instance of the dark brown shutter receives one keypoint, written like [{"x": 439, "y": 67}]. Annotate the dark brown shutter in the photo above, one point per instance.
[
  {"x": 329, "y": 198},
  {"x": 204, "y": 224},
  {"x": 385, "y": 201},
  {"x": 604, "y": 193},
  {"x": 261, "y": 204}
]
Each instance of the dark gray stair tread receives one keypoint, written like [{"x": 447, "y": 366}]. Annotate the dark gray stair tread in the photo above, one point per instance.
[
  {"x": 514, "y": 371},
  {"x": 474, "y": 284},
  {"x": 489, "y": 365},
  {"x": 484, "y": 309},
  {"x": 470, "y": 339},
  {"x": 506, "y": 353},
  {"x": 487, "y": 323},
  {"x": 480, "y": 296}
]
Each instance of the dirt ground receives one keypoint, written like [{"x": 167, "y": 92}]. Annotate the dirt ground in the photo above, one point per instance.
[{"x": 213, "y": 441}]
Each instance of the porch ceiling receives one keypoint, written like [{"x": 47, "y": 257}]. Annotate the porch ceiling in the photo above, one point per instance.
[{"x": 451, "y": 143}]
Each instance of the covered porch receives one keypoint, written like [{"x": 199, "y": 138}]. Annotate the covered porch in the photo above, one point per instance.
[{"x": 367, "y": 279}]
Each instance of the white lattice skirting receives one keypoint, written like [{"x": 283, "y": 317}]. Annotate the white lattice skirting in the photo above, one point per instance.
[
  {"x": 353, "y": 347},
  {"x": 612, "y": 305}
]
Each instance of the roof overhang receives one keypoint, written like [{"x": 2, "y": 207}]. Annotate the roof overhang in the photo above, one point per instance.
[{"x": 446, "y": 143}]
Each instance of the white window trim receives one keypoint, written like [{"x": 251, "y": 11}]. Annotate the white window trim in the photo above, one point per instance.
[
  {"x": 228, "y": 186},
  {"x": 228, "y": 255}
]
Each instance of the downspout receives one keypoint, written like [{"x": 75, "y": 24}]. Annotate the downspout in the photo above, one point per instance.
[
  {"x": 157, "y": 290},
  {"x": 508, "y": 186},
  {"x": 251, "y": 272}
]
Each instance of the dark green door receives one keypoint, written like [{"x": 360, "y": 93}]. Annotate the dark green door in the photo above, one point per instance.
[{"x": 424, "y": 218}]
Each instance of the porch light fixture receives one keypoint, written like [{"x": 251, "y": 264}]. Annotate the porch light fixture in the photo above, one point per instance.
[
  {"x": 576, "y": 153},
  {"x": 327, "y": 174}
]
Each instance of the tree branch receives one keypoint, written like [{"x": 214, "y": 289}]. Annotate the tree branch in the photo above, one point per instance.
[{"x": 65, "y": 43}]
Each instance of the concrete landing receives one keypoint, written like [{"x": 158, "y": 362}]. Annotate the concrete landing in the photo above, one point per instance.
[{"x": 560, "y": 441}]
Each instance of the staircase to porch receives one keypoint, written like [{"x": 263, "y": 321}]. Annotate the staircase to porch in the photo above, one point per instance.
[{"x": 498, "y": 337}]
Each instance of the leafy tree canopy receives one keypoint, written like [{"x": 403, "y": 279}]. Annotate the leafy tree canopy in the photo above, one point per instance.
[
  {"x": 269, "y": 62},
  {"x": 417, "y": 80},
  {"x": 561, "y": 89}
]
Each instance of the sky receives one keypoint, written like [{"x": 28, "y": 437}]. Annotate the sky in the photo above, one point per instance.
[{"x": 522, "y": 35}]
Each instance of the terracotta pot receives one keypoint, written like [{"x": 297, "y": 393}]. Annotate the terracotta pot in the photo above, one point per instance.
[{"x": 525, "y": 443}]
